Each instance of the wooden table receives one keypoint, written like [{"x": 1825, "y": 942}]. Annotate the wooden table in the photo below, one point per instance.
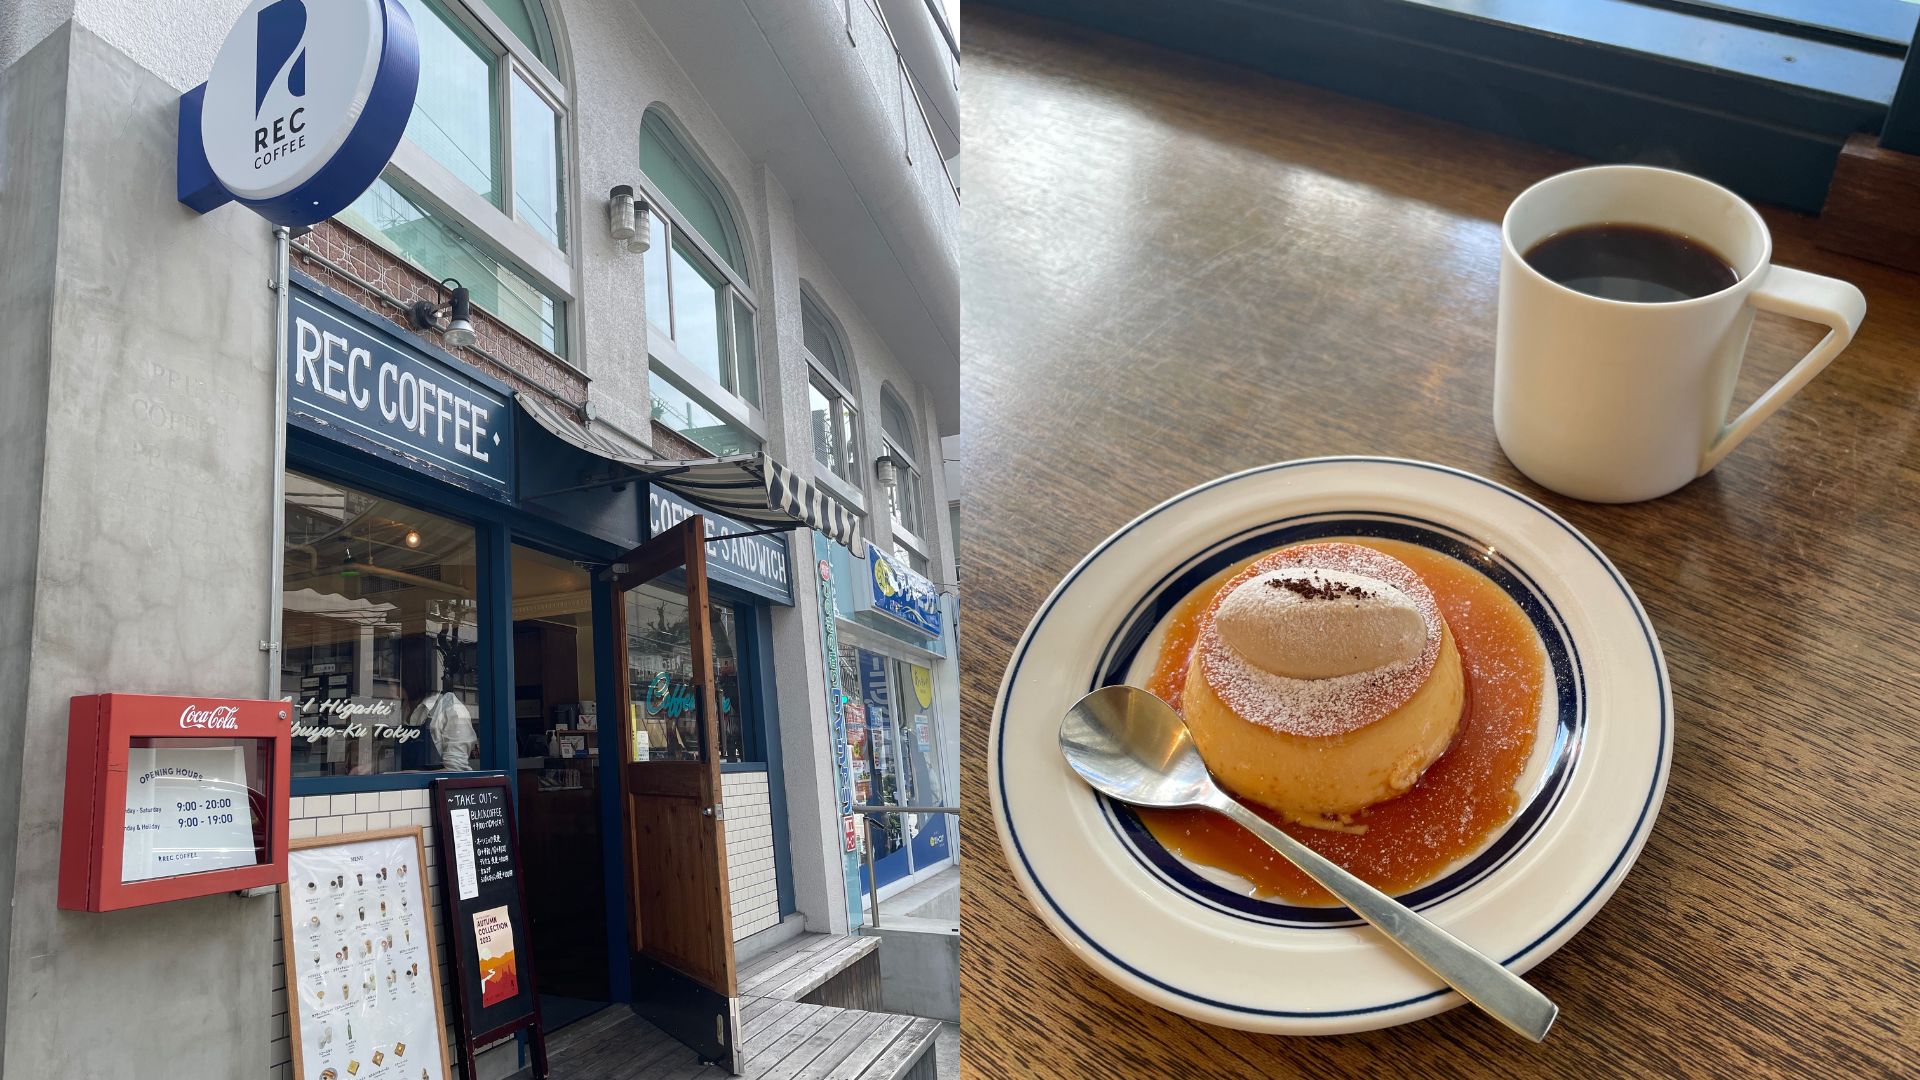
[{"x": 1176, "y": 269}]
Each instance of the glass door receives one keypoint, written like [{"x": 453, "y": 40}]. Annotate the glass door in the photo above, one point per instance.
[
  {"x": 680, "y": 916},
  {"x": 894, "y": 745},
  {"x": 874, "y": 744},
  {"x": 920, "y": 765}
]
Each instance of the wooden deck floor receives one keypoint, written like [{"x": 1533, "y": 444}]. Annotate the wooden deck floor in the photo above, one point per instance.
[{"x": 782, "y": 1038}]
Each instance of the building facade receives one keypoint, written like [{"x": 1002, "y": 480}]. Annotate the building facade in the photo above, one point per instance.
[{"x": 797, "y": 295}]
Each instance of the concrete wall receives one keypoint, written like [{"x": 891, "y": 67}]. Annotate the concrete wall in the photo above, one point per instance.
[
  {"x": 156, "y": 491},
  {"x": 33, "y": 109}
]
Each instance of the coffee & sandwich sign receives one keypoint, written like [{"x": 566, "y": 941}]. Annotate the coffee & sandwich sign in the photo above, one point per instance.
[{"x": 304, "y": 106}]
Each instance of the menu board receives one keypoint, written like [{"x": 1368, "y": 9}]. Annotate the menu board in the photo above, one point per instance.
[
  {"x": 363, "y": 997},
  {"x": 187, "y": 811},
  {"x": 486, "y": 911}
]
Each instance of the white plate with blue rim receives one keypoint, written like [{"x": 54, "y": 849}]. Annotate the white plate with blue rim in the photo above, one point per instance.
[{"x": 1196, "y": 940}]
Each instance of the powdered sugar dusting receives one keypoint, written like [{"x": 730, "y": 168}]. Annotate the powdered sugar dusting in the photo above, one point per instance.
[{"x": 1320, "y": 707}]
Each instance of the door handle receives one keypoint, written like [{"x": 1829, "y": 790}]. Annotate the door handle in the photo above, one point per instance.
[{"x": 718, "y": 813}]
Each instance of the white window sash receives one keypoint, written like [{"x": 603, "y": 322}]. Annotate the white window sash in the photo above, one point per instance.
[
  {"x": 825, "y": 372},
  {"x": 894, "y": 449},
  {"x": 504, "y": 42},
  {"x": 674, "y": 217},
  {"x": 840, "y": 489},
  {"x": 666, "y": 360},
  {"x": 509, "y": 237},
  {"x": 913, "y": 543}
]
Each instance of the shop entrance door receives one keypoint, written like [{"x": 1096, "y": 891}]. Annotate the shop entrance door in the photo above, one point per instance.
[{"x": 680, "y": 919}]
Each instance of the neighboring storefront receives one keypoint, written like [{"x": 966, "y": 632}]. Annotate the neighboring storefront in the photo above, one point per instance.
[{"x": 893, "y": 645}]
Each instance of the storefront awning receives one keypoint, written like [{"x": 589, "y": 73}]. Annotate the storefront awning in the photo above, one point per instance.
[{"x": 752, "y": 488}]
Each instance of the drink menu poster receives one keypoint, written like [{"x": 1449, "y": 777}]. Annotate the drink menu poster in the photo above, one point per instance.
[{"x": 363, "y": 998}]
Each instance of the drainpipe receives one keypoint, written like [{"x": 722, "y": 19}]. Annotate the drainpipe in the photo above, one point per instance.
[{"x": 276, "y": 551}]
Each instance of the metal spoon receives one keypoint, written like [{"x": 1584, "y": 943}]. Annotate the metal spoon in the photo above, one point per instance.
[{"x": 1133, "y": 747}]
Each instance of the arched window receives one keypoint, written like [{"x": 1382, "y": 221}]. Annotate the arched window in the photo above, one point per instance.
[
  {"x": 703, "y": 351},
  {"x": 830, "y": 394},
  {"x": 896, "y": 425},
  {"x": 528, "y": 23},
  {"x": 697, "y": 200},
  {"x": 487, "y": 204}
]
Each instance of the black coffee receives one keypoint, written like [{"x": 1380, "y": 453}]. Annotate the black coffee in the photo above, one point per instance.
[{"x": 1631, "y": 262}]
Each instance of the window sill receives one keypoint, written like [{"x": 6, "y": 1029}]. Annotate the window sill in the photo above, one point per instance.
[
  {"x": 743, "y": 766},
  {"x": 512, "y": 238},
  {"x": 1761, "y": 111},
  {"x": 493, "y": 321},
  {"x": 911, "y": 540},
  {"x": 703, "y": 388},
  {"x": 839, "y": 488}
]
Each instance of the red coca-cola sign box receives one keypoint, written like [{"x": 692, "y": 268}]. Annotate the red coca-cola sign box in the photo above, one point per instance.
[{"x": 172, "y": 797}]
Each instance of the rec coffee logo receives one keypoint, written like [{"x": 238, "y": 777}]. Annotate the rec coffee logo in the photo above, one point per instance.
[
  {"x": 282, "y": 30},
  {"x": 304, "y": 106},
  {"x": 218, "y": 718}
]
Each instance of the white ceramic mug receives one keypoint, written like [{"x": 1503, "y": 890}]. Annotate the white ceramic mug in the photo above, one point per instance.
[{"x": 1615, "y": 401}]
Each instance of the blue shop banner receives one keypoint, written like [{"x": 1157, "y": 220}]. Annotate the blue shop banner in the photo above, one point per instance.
[
  {"x": 359, "y": 381},
  {"x": 896, "y": 590},
  {"x": 758, "y": 564}
]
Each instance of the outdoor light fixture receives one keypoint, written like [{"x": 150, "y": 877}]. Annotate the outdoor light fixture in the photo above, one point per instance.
[
  {"x": 413, "y": 538},
  {"x": 887, "y": 471},
  {"x": 458, "y": 307},
  {"x": 629, "y": 219}
]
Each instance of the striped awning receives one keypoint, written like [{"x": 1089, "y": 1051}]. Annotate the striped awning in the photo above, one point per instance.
[{"x": 750, "y": 488}]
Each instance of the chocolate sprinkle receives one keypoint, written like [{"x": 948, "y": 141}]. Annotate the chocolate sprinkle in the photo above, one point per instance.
[{"x": 1319, "y": 589}]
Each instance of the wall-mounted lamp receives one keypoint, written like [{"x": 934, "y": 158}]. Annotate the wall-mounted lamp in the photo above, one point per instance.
[
  {"x": 887, "y": 471},
  {"x": 630, "y": 219},
  {"x": 457, "y": 305}
]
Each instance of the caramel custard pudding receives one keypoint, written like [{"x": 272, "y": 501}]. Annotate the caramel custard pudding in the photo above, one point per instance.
[{"x": 1375, "y": 699}]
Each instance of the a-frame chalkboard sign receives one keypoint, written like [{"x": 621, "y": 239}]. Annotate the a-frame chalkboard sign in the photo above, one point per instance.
[{"x": 486, "y": 903}]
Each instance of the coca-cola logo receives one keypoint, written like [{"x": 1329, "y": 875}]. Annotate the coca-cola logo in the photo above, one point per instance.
[{"x": 218, "y": 718}]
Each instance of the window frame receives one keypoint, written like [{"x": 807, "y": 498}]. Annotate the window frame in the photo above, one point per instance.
[
  {"x": 1764, "y": 130},
  {"x": 491, "y": 543},
  {"x": 497, "y": 228},
  {"x": 846, "y": 488},
  {"x": 663, "y": 353},
  {"x": 905, "y": 461}
]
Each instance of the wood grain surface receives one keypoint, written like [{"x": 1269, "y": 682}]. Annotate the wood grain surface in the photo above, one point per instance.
[{"x": 1175, "y": 269}]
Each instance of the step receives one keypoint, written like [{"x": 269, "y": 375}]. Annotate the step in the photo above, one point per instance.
[{"x": 792, "y": 970}]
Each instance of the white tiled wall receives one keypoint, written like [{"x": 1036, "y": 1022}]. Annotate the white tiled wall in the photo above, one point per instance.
[
  {"x": 756, "y": 897},
  {"x": 329, "y": 815}
]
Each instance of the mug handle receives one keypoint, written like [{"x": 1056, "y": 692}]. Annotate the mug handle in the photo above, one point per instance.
[{"x": 1800, "y": 295}]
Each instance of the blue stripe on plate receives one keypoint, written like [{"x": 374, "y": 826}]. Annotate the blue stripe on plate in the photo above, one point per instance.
[{"x": 1536, "y": 805}]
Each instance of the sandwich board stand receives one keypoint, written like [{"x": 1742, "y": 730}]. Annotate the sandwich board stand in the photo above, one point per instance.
[{"x": 486, "y": 915}]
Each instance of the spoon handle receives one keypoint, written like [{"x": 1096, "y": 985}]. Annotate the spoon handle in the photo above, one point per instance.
[{"x": 1479, "y": 979}]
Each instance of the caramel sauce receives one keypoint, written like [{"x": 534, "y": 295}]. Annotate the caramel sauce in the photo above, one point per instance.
[{"x": 1457, "y": 803}]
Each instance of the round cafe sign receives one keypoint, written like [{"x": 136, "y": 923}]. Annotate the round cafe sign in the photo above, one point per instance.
[{"x": 306, "y": 102}]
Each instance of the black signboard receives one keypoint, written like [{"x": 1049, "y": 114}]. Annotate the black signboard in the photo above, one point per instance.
[{"x": 491, "y": 940}]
